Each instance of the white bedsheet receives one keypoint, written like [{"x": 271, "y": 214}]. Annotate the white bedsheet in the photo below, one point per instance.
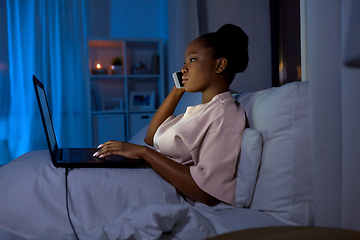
[{"x": 104, "y": 204}]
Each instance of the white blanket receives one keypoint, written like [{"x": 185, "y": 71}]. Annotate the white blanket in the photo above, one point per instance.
[{"x": 104, "y": 204}]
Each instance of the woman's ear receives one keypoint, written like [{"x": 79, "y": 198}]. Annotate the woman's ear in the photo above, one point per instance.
[{"x": 221, "y": 65}]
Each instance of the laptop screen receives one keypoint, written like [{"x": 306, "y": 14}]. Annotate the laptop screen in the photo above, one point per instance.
[{"x": 46, "y": 118}]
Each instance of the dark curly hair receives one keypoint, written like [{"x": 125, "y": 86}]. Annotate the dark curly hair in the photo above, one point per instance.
[{"x": 231, "y": 42}]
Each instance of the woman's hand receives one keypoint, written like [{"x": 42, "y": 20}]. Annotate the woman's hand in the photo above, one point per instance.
[{"x": 125, "y": 149}]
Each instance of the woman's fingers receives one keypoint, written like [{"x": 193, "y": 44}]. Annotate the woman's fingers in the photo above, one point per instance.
[
  {"x": 107, "y": 149},
  {"x": 119, "y": 148},
  {"x": 111, "y": 150}
]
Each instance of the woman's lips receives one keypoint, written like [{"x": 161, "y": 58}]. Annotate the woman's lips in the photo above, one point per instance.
[{"x": 184, "y": 79}]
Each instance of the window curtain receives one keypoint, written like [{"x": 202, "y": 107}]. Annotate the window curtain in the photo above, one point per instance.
[
  {"x": 335, "y": 112},
  {"x": 46, "y": 39}
]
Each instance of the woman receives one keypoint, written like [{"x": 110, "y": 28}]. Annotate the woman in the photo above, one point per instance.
[{"x": 197, "y": 151}]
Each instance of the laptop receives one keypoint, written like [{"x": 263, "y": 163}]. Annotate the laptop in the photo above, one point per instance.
[{"x": 76, "y": 157}]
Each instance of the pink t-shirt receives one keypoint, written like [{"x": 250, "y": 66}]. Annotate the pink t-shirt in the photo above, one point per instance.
[{"x": 207, "y": 137}]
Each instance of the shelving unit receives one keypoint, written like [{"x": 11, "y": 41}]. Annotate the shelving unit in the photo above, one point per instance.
[{"x": 122, "y": 102}]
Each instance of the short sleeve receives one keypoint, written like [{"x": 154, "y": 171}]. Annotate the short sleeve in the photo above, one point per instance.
[
  {"x": 207, "y": 137},
  {"x": 215, "y": 171}
]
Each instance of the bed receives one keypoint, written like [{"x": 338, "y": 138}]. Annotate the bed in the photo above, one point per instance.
[{"x": 273, "y": 186}]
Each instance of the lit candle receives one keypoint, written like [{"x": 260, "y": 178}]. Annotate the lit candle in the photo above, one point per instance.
[{"x": 98, "y": 65}]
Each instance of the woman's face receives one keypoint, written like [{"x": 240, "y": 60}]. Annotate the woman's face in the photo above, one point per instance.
[{"x": 199, "y": 69}]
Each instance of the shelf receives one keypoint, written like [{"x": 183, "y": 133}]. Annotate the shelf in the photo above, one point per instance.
[
  {"x": 104, "y": 44},
  {"x": 110, "y": 94},
  {"x": 107, "y": 112},
  {"x": 107, "y": 76},
  {"x": 143, "y": 75},
  {"x": 128, "y": 76},
  {"x": 143, "y": 111},
  {"x": 123, "y": 111}
]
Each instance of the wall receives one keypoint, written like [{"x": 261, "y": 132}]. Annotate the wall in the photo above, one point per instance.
[
  {"x": 122, "y": 18},
  {"x": 253, "y": 16},
  {"x": 149, "y": 18},
  {"x": 99, "y": 18},
  {"x": 139, "y": 18}
]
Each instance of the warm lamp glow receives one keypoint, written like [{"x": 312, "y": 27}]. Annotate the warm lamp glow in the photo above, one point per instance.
[{"x": 98, "y": 65}]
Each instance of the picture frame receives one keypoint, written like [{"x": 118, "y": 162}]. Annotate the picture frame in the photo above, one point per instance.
[
  {"x": 140, "y": 100},
  {"x": 112, "y": 104}
]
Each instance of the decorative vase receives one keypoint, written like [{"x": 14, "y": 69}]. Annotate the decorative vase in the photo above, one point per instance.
[{"x": 116, "y": 69}]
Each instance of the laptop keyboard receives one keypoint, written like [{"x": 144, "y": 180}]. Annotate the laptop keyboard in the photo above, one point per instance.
[{"x": 82, "y": 155}]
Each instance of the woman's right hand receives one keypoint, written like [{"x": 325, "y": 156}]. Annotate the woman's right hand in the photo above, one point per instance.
[{"x": 166, "y": 109}]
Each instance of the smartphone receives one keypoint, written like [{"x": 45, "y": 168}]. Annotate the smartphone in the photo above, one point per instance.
[{"x": 177, "y": 76}]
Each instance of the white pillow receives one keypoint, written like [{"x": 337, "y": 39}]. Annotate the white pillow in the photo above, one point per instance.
[
  {"x": 138, "y": 138},
  {"x": 284, "y": 184},
  {"x": 248, "y": 167}
]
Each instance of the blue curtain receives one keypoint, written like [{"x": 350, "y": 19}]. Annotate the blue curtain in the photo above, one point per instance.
[{"x": 46, "y": 39}]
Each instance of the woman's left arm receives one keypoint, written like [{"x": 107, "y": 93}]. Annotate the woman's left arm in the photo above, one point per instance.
[{"x": 175, "y": 173}]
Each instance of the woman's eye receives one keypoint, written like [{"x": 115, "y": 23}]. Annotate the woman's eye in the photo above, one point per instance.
[{"x": 191, "y": 60}]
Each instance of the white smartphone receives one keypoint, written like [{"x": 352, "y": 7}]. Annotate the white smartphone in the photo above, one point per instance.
[{"x": 177, "y": 76}]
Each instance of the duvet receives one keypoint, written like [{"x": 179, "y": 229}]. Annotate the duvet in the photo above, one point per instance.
[{"x": 103, "y": 204}]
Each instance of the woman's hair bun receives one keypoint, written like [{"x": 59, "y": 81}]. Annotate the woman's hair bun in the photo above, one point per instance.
[{"x": 234, "y": 45}]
